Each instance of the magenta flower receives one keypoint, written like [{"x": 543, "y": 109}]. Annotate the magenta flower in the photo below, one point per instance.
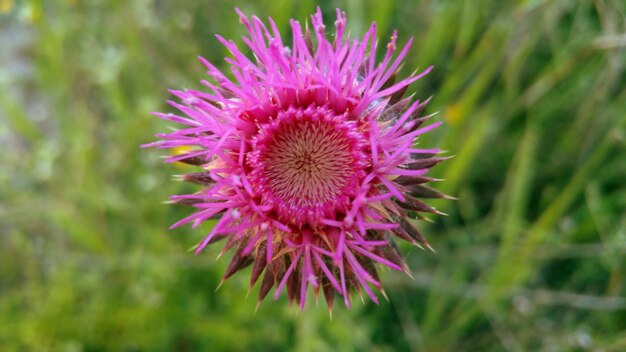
[{"x": 307, "y": 159}]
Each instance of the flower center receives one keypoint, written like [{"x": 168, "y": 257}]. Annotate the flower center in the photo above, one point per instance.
[{"x": 309, "y": 163}]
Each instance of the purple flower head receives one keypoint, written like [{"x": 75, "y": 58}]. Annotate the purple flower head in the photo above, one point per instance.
[{"x": 307, "y": 159}]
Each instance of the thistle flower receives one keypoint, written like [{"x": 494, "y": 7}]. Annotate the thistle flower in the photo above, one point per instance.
[{"x": 307, "y": 159}]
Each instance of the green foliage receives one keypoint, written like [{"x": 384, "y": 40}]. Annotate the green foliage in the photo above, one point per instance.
[{"x": 531, "y": 257}]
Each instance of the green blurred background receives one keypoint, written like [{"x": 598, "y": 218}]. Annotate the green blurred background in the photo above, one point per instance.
[{"x": 532, "y": 256}]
